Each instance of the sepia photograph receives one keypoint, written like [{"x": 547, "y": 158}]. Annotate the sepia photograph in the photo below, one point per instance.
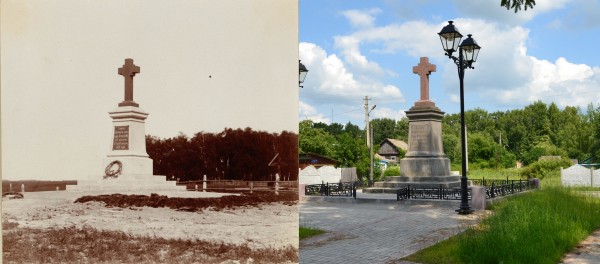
[{"x": 149, "y": 131}]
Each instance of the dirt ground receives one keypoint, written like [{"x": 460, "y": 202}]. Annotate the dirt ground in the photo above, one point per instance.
[{"x": 272, "y": 225}]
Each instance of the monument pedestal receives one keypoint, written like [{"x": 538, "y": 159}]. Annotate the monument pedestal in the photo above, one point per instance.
[
  {"x": 128, "y": 166},
  {"x": 425, "y": 165}
]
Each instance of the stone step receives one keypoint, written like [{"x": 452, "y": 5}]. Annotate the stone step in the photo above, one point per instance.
[
  {"x": 135, "y": 177},
  {"x": 448, "y": 178},
  {"x": 127, "y": 183},
  {"x": 398, "y": 185}
]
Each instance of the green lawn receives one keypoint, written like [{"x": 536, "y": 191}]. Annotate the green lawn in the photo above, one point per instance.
[{"x": 536, "y": 227}]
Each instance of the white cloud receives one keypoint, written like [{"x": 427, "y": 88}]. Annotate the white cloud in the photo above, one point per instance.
[
  {"x": 330, "y": 81},
  {"x": 562, "y": 82},
  {"x": 385, "y": 112},
  {"x": 455, "y": 98},
  {"x": 309, "y": 112},
  {"x": 361, "y": 18},
  {"x": 349, "y": 46}
]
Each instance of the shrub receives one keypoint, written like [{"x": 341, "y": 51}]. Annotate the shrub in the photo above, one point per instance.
[
  {"x": 393, "y": 170},
  {"x": 543, "y": 168}
]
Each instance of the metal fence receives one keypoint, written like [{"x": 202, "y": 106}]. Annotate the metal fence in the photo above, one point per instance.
[
  {"x": 332, "y": 189},
  {"x": 439, "y": 193},
  {"x": 507, "y": 188},
  {"x": 493, "y": 189}
]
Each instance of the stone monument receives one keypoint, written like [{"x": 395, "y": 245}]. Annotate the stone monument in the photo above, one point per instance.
[
  {"x": 425, "y": 164},
  {"x": 127, "y": 167}
]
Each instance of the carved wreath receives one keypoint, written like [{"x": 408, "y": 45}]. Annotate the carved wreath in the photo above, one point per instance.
[{"x": 111, "y": 172}]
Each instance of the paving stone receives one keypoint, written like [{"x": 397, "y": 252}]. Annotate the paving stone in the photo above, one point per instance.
[{"x": 375, "y": 232}]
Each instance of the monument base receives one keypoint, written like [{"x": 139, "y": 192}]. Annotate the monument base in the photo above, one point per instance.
[
  {"x": 424, "y": 166},
  {"x": 132, "y": 182},
  {"x": 393, "y": 183}
]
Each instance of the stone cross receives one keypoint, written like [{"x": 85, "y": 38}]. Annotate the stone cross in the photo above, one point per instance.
[
  {"x": 128, "y": 71},
  {"x": 423, "y": 69}
]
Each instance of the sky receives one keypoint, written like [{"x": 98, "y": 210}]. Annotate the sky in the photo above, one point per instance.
[
  {"x": 355, "y": 48},
  {"x": 205, "y": 65}
]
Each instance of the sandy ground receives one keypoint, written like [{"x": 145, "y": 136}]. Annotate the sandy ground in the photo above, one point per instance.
[{"x": 270, "y": 225}]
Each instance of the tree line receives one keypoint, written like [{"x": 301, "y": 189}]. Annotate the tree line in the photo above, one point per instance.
[
  {"x": 494, "y": 139},
  {"x": 233, "y": 154}
]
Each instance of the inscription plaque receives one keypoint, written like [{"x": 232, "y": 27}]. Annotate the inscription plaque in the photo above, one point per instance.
[
  {"x": 121, "y": 138},
  {"x": 419, "y": 137}
]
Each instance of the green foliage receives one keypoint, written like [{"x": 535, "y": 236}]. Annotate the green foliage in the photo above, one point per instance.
[
  {"x": 493, "y": 174},
  {"x": 306, "y": 232},
  {"x": 495, "y": 140},
  {"x": 517, "y": 4},
  {"x": 315, "y": 140},
  {"x": 393, "y": 170},
  {"x": 552, "y": 220},
  {"x": 544, "y": 148},
  {"x": 544, "y": 168}
]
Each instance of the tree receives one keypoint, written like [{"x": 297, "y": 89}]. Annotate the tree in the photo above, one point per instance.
[
  {"x": 383, "y": 128},
  {"x": 517, "y": 4},
  {"x": 315, "y": 140}
]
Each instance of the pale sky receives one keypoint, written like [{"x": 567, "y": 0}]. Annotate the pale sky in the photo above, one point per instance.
[
  {"x": 59, "y": 80},
  {"x": 357, "y": 48}
]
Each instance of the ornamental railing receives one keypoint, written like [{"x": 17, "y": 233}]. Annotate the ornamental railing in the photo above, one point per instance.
[
  {"x": 496, "y": 188},
  {"x": 439, "y": 193},
  {"x": 332, "y": 189},
  {"x": 507, "y": 188}
]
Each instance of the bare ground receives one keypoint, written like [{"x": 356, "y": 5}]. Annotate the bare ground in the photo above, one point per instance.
[{"x": 260, "y": 226}]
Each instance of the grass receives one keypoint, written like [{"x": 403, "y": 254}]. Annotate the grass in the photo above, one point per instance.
[
  {"x": 87, "y": 245},
  {"x": 489, "y": 174},
  {"x": 306, "y": 232},
  {"x": 536, "y": 227}
]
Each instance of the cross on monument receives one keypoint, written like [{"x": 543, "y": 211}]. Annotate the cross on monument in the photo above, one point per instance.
[
  {"x": 128, "y": 71},
  {"x": 423, "y": 69}
]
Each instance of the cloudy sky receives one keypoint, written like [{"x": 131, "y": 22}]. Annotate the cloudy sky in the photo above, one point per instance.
[
  {"x": 205, "y": 65},
  {"x": 354, "y": 49}
]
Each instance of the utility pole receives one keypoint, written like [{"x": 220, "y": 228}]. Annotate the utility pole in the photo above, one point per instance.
[
  {"x": 369, "y": 132},
  {"x": 367, "y": 123}
]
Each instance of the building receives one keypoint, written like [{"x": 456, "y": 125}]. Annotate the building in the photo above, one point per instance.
[{"x": 392, "y": 149}]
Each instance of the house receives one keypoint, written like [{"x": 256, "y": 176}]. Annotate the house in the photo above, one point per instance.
[
  {"x": 392, "y": 149},
  {"x": 317, "y": 161}
]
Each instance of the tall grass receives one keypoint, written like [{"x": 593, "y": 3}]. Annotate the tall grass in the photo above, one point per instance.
[
  {"x": 306, "y": 232},
  {"x": 536, "y": 227},
  {"x": 500, "y": 174},
  {"x": 539, "y": 227}
]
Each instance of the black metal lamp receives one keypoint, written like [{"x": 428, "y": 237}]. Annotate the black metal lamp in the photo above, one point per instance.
[
  {"x": 450, "y": 38},
  {"x": 470, "y": 50},
  {"x": 302, "y": 72},
  {"x": 467, "y": 55}
]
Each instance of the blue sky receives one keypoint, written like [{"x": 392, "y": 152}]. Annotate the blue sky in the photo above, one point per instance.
[{"x": 354, "y": 49}]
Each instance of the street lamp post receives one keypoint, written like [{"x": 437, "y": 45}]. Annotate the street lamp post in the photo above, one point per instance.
[
  {"x": 467, "y": 55},
  {"x": 302, "y": 73}
]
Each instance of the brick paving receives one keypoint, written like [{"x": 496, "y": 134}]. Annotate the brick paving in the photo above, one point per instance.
[
  {"x": 375, "y": 232},
  {"x": 377, "y": 229}
]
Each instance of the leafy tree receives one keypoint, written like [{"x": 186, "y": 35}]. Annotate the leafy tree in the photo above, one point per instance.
[
  {"x": 517, "y": 4},
  {"x": 383, "y": 128},
  {"x": 315, "y": 140}
]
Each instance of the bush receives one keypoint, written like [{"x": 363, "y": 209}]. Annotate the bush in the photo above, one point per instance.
[
  {"x": 393, "y": 170},
  {"x": 544, "y": 168}
]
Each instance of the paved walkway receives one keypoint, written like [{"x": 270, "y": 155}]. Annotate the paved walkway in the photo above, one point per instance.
[
  {"x": 377, "y": 229},
  {"x": 375, "y": 232}
]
